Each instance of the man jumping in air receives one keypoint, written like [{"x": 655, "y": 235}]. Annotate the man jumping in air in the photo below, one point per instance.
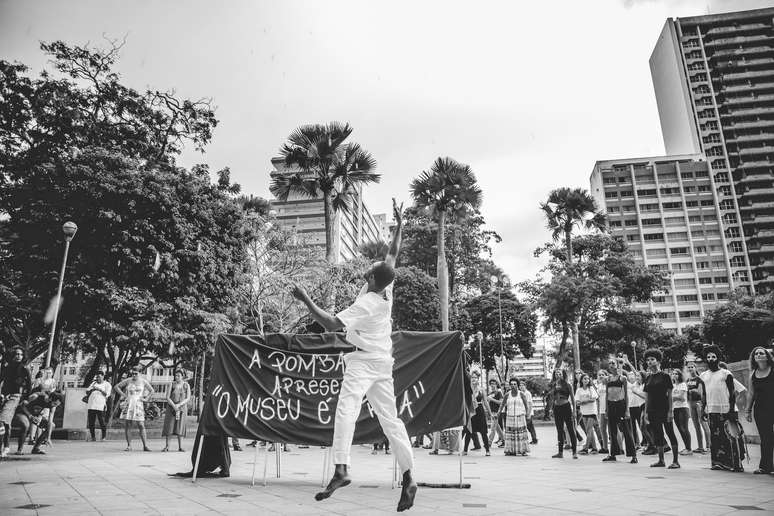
[{"x": 368, "y": 370}]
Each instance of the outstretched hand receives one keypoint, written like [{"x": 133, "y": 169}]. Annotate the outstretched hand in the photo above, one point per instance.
[
  {"x": 397, "y": 212},
  {"x": 299, "y": 292}
]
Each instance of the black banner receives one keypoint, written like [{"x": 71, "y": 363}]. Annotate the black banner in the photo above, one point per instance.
[{"x": 284, "y": 388}]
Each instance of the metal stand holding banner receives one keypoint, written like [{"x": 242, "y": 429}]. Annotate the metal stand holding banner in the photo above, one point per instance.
[
  {"x": 198, "y": 457},
  {"x": 255, "y": 463},
  {"x": 460, "y": 449},
  {"x": 277, "y": 460}
]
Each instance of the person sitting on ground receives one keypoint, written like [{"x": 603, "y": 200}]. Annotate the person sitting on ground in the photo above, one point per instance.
[{"x": 30, "y": 411}]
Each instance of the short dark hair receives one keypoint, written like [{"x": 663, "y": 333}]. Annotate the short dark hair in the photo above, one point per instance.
[
  {"x": 384, "y": 274},
  {"x": 710, "y": 349},
  {"x": 179, "y": 371},
  {"x": 655, "y": 353},
  {"x": 55, "y": 396}
]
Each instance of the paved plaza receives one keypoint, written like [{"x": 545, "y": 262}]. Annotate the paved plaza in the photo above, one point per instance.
[{"x": 79, "y": 477}]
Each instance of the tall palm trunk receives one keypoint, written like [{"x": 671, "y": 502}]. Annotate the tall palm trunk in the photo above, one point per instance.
[
  {"x": 331, "y": 229},
  {"x": 574, "y": 324},
  {"x": 443, "y": 272}
]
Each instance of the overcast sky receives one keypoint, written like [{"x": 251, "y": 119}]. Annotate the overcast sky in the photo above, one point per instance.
[{"x": 530, "y": 94}]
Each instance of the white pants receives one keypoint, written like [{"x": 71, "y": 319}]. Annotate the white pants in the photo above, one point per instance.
[{"x": 369, "y": 375}]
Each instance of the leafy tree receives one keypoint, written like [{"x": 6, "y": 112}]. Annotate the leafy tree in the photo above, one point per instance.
[
  {"x": 447, "y": 188},
  {"x": 605, "y": 281},
  {"x": 417, "y": 308},
  {"x": 159, "y": 249},
  {"x": 741, "y": 324},
  {"x": 327, "y": 165},
  {"x": 469, "y": 245},
  {"x": 519, "y": 324},
  {"x": 374, "y": 251},
  {"x": 565, "y": 209}
]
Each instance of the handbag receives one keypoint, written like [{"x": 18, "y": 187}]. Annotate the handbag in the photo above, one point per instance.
[{"x": 85, "y": 398}]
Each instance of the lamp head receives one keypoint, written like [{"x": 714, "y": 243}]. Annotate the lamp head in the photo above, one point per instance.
[
  {"x": 69, "y": 229},
  {"x": 634, "y": 343}
]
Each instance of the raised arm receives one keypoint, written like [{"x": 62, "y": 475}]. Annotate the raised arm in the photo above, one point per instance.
[
  {"x": 392, "y": 254},
  {"x": 326, "y": 320},
  {"x": 119, "y": 388}
]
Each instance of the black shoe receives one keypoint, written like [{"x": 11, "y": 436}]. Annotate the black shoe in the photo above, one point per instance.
[
  {"x": 559, "y": 455},
  {"x": 659, "y": 464},
  {"x": 533, "y": 442},
  {"x": 610, "y": 458},
  {"x": 633, "y": 461},
  {"x": 604, "y": 450},
  {"x": 650, "y": 451}
]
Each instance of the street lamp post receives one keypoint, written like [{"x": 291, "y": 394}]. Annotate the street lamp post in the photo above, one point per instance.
[
  {"x": 69, "y": 229},
  {"x": 496, "y": 281},
  {"x": 634, "y": 351},
  {"x": 480, "y": 338}
]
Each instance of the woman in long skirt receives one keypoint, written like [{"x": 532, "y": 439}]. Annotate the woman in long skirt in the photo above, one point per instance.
[
  {"x": 515, "y": 406},
  {"x": 175, "y": 414}
]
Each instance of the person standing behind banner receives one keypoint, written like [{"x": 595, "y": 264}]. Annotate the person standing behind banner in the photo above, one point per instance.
[
  {"x": 15, "y": 383},
  {"x": 176, "y": 410},
  {"x": 97, "y": 393},
  {"x": 495, "y": 398}
]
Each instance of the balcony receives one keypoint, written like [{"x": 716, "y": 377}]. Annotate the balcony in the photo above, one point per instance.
[
  {"x": 738, "y": 40},
  {"x": 747, "y": 87},
  {"x": 734, "y": 76},
  {"x": 761, "y": 249},
  {"x": 748, "y": 99},
  {"x": 747, "y": 112},
  {"x": 750, "y": 27},
  {"x": 764, "y": 219},
  {"x": 731, "y": 124},
  {"x": 751, "y": 137},
  {"x": 718, "y": 55},
  {"x": 763, "y": 234},
  {"x": 755, "y": 151},
  {"x": 756, "y": 175},
  {"x": 754, "y": 164},
  {"x": 759, "y": 61}
]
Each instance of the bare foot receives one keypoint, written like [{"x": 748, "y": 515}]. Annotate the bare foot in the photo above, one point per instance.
[
  {"x": 338, "y": 480},
  {"x": 407, "y": 493}
]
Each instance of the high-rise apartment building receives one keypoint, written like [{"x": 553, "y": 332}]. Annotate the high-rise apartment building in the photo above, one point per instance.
[
  {"x": 353, "y": 227},
  {"x": 668, "y": 210},
  {"x": 714, "y": 82}
]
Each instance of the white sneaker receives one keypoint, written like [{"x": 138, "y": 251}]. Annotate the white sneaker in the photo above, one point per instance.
[{"x": 5, "y": 452}]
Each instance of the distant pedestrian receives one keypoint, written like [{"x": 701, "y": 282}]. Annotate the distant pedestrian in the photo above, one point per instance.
[
  {"x": 138, "y": 391},
  {"x": 618, "y": 413},
  {"x": 15, "y": 383},
  {"x": 658, "y": 408},
  {"x": 600, "y": 384},
  {"x": 587, "y": 397},
  {"x": 478, "y": 417},
  {"x": 564, "y": 403},
  {"x": 98, "y": 392},
  {"x": 495, "y": 398},
  {"x": 178, "y": 396},
  {"x": 760, "y": 405},
  {"x": 680, "y": 409},
  {"x": 530, "y": 412},
  {"x": 697, "y": 399},
  {"x": 726, "y": 451},
  {"x": 515, "y": 408}
]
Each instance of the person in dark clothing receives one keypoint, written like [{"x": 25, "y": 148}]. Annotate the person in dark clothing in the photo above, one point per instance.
[
  {"x": 216, "y": 454},
  {"x": 618, "y": 415},
  {"x": 477, "y": 425},
  {"x": 564, "y": 404},
  {"x": 760, "y": 404},
  {"x": 30, "y": 411},
  {"x": 15, "y": 383},
  {"x": 658, "y": 408}
]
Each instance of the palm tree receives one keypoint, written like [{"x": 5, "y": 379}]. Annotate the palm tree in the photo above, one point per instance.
[
  {"x": 565, "y": 209},
  {"x": 449, "y": 188},
  {"x": 328, "y": 165},
  {"x": 375, "y": 250}
]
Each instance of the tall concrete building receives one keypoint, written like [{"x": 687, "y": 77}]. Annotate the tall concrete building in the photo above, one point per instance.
[
  {"x": 353, "y": 228},
  {"x": 714, "y": 82},
  {"x": 669, "y": 211}
]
